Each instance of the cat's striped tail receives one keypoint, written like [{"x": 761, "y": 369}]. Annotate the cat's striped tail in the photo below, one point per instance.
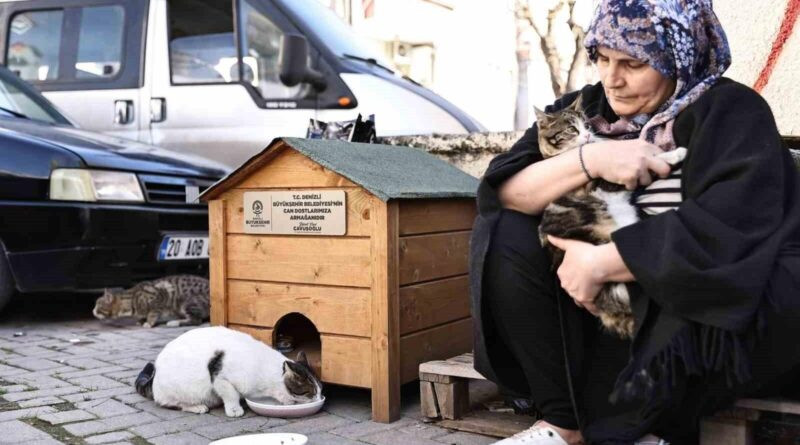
[{"x": 144, "y": 382}]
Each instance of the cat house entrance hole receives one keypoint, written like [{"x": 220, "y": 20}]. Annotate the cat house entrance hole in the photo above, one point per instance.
[{"x": 296, "y": 329}]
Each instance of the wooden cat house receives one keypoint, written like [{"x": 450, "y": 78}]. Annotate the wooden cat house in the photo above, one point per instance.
[{"x": 358, "y": 252}]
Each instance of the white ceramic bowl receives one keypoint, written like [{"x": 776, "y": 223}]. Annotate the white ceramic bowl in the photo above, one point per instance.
[
  {"x": 264, "y": 439},
  {"x": 271, "y": 409}
]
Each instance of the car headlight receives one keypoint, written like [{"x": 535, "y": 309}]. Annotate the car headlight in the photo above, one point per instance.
[{"x": 72, "y": 184}]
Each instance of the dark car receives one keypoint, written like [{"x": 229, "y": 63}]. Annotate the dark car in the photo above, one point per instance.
[{"x": 83, "y": 211}]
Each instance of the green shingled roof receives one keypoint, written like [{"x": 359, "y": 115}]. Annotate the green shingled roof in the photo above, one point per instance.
[{"x": 388, "y": 172}]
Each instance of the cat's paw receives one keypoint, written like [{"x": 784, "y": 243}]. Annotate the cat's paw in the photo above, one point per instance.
[
  {"x": 147, "y": 325},
  {"x": 173, "y": 324},
  {"x": 673, "y": 157},
  {"x": 234, "y": 410},
  {"x": 197, "y": 409}
]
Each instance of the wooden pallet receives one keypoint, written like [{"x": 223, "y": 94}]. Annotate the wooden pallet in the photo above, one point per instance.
[
  {"x": 444, "y": 394},
  {"x": 443, "y": 386},
  {"x": 735, "y": 426}
]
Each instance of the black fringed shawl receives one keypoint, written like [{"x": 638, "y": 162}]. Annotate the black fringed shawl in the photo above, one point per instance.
[
  {"x": 702, "y": 271},
  {"x": 705, "y": 269}
]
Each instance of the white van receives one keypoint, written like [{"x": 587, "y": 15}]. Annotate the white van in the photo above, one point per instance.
[{"x": 218, "y": 78}]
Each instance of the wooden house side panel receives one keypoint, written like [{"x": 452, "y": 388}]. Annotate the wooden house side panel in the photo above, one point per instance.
[
  {"x": 441, "y": 342},
  {"x": 419, "y": 216},
  {"x": 433, "y": 256},
  {"x": 333, "y": 310},
  {"x": 358, "y": 213},
  {"x": 433, "y": 303},
  {"x": 291, "y": 168},
  {"x": 338, "y": 261}
]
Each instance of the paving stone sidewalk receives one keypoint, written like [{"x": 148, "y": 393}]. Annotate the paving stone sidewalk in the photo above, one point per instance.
[{"x": 70, "y": 382}]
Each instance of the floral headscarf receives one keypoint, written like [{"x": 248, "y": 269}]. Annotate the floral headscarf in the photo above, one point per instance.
[{"x": 682, "y": 39}]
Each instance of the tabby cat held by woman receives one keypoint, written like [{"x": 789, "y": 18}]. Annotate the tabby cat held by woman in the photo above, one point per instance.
[
  {"x": 177, "y": 300},
  {"x": 592, "y": 212}
]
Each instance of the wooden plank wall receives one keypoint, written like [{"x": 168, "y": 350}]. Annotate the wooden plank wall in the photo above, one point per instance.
[
  {"x": 434, "y": 291},
  {"x": 217, "y": 257},
  {"x": 328, "y": 279},
  {"x": 385, "y": 318}
]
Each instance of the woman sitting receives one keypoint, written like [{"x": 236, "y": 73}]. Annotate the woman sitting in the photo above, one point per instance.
[{"x": 714, "y": 266}]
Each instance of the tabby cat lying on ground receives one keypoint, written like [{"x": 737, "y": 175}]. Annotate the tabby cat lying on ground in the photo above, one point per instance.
[
  {"x": 177, "y": 300},
  {"x": 591, "y": 212},
  {"x": 208, "y": 366}
]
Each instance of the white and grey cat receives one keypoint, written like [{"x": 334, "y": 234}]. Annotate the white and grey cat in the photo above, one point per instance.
[
  {"x": 177, "y": 300},
  {"x": 592, "y": 212},
  {"x": 206, "y": 367}
]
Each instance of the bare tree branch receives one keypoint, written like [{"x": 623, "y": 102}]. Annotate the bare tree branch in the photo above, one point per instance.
[
  {"x": 552, "y": 56},
  {"x": 547, "y": 42},
  {"x": 579, "y": 59},
  {"x": 521, "y": 109}
]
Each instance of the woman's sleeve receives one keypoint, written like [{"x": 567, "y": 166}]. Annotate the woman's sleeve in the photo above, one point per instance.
[
  {"x": 710, "y": 260},
  {"x": 523, "y": 153}
]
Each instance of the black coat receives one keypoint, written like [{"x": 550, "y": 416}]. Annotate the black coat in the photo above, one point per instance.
[{"x": 704, "y": 271}]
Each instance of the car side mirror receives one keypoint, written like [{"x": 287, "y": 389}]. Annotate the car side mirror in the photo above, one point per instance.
[{"x": 294, "y": 63}]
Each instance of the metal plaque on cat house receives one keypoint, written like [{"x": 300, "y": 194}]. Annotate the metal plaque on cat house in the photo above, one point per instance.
[
  {"x": 296, "y": 212},
  {"x": 387, "y": 292}
]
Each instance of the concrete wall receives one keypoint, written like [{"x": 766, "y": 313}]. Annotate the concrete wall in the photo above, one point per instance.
[{"x": 763, "y": 37}]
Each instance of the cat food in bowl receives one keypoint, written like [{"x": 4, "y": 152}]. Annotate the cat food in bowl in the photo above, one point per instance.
[
  {"x": 264, "y": 439},
  {"x": 270, "y": 407}
]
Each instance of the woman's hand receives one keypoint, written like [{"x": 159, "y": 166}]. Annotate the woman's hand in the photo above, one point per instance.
[
  {"x": 586, "y": 268},
  {"x": 579, "y": 274},
  {"x": 629, "y": 163}
]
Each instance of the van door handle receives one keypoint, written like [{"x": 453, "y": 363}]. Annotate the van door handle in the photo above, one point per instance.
[
  {"x": 158, "y": 109},
  {"x": 123, "y": 112}
]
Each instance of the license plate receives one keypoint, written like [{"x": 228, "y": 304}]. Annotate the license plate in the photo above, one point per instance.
[{"x": 183, "y": 248}]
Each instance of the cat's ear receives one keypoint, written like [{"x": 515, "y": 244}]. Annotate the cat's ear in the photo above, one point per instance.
[
  {"x": 290, "y": 367},
  {"x": 301, "y": 358},
  {"x": 577, "y": 105},
  {"x": 540, "y": 115}
]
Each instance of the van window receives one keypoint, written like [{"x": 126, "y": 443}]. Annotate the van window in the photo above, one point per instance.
[
  {"x": 332, "y": 30},
  {"x": 33, "y": 44},
  {"x": 202, "y": 46},
  {"x": 261, "y": 45},
  {"x": 100, "y": 42}
]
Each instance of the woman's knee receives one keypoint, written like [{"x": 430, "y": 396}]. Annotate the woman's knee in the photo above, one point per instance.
[
  {"x": 516, "y": 241},
  {"x": 517, "y": 269}
]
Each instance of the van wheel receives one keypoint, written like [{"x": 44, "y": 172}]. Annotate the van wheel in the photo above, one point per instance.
[{"x": 7, "y": 286}]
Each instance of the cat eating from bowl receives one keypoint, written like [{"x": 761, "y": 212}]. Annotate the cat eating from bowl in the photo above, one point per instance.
[{"x": 206, "y": 367}]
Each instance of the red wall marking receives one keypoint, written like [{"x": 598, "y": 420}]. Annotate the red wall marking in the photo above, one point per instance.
[{"x": 787, "y": 26}]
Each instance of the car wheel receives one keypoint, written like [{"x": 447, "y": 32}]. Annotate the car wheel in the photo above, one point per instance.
[{"x": 7, "y": 286}]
